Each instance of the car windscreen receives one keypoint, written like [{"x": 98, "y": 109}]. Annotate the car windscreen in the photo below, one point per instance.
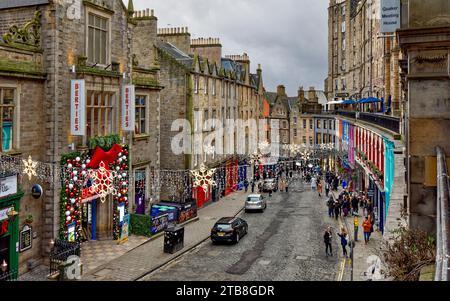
[
  {"x": 223, "y": 227},
  {"x": 253, "y": 199}
]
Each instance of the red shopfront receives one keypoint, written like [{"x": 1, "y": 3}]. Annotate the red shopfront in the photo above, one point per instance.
[{"x": 231, "y": 175}]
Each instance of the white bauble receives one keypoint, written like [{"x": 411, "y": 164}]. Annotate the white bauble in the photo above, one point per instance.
[
  {"x": 70, "y": 186},
  {"x": 68, "y": 218},
  {"x": 120, "y": 154},
  {"x": 69, "y": 166},
  {"x": 125, "y": 198},
  {"x": 120, "y": 160},
  {"x": 78, "y": 159},
  {"x": 67, "y": 213},
  {"x": 72, "y": 201},
  {"x": 124, "y": 174},
  {"x": 83, "y": 172},
  {"x": 75, "y": 172},
  {"x": 124, "y": 157},
  {"x": 88, "y": 161},
  {"x": 117, "y": 168},
  {"x": 83, "y": 166},
  {"x": 119, "y": 177},
  {"x": 75, "y": 178}
]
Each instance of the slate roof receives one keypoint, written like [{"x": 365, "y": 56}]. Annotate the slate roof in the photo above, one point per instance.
[
  {"x": 176, "y": 53},
  {"x": 20, "y": 3}
]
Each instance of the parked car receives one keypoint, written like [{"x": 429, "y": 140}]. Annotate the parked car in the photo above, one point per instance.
[
  {"x": 229, "y": 229},
  {"x": 269, "y": 185},
  {"x": 255, "y": 202}
]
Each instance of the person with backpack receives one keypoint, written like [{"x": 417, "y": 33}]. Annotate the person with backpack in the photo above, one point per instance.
[
  {"x": 327, "y": 238},
  {"x": 344, "y": 241}
]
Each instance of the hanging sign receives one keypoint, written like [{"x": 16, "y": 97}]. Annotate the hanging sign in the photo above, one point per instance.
[
  {"x": 390, "y": 15},
  {"x": 128, "y": 108},
  {"x": 25, "y": 238},
  {"x": 71, "y": 236},
  {"x": 125, "y": 229},
  {"x": 78, "y": 108}
]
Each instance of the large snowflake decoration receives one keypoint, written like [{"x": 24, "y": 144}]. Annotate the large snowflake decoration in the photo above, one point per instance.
[
  {"x": 203, "y": 177},
  {"x": 294, "y": 148},
  {"x": 30, "y": 167},
  {"x": 103, "y": 182},
  {"x": 305, "y": 155},
  {"x": 255, "y": 158}
]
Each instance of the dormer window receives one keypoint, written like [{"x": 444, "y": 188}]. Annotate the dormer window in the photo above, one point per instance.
[{"x": 98, "y": 38}]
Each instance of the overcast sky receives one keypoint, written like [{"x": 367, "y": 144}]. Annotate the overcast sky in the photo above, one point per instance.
[{"x": 288, "y": 37}]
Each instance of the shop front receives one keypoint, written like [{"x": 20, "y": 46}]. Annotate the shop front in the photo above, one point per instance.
[
  {"x": 94, "y": 198},
  {"x": 10, "y": 197}
]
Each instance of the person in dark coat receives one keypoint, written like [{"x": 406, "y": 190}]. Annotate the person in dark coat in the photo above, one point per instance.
[
  {"x": 355, "y": 204},
  {"x": 330, "y": 205},
  {"x": 327, "y": 238},
  {"x": 344, "y": 241},
  {"x": 253, "y": 186},
  {"x": 337, "y": 209}
]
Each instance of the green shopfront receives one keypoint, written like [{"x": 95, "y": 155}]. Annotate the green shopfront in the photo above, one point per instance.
[{"x": 10, "y": 197}]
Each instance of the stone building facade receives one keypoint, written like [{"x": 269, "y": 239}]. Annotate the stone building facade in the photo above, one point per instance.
[
  {"x": 424, "y": 39},
  {"x": 362, "y": 62},
  {"x": 84, "y": 40}
]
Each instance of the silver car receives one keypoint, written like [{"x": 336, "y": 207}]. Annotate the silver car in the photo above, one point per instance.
[
  {"x": 255, "y": 202},
  {"x": 269, "y": 185}
]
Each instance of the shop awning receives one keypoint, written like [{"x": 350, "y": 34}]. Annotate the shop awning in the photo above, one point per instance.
[
  {"x": 349, "y": 102},
  {"x": 370, "y": 100}
]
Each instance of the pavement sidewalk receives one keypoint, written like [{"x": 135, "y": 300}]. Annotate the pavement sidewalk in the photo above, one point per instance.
[
  {"x": 364, "y": 256},
  {"x": 150, "y": 255}
]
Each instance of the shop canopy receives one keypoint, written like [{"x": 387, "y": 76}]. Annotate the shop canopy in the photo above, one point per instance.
[
  {"x": 349, "y": 102},
  {"x": 370, "y": 100}
]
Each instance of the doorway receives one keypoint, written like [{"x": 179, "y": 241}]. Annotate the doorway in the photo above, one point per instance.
[{"x": 4, "y": 249}]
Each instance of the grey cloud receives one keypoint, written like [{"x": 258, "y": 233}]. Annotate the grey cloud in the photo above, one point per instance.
[{"x": 288, "y": 37}]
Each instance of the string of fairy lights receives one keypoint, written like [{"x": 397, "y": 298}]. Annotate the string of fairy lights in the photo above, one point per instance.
[{"x": 178, "y": 183}]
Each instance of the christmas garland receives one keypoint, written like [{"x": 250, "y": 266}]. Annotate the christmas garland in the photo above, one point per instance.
[{"x": 75, "y": 178}]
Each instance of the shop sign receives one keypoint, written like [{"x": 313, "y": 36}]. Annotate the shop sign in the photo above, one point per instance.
[
  {"x": 71, "y": 236},
  {"x": 78, "y": 108},
  {"x": 390, "y": 15},
  {"x": 128, "y": 108},
  {"x": 4, "y": 213},
  {"x": 124, "y": 232},
  {"x": 8, "y": 186},
  {"x": 25, "y": 238}
]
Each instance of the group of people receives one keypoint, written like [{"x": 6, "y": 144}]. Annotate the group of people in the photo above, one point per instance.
[{"x": 346, "y": 205}]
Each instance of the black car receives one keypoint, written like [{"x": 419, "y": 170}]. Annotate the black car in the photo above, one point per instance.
[{"x": 229, "y": 229}]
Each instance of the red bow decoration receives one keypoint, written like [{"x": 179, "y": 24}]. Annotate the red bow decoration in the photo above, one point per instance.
[
  {"x": 4, "y": 227},
  {"x": 107, "y": 157}
]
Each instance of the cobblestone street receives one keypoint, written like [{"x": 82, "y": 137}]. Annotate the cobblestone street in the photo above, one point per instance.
[{"x": 284, "y": 243}]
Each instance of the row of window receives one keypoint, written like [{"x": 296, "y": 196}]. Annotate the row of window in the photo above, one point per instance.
[{"x": 228, "y": 89}]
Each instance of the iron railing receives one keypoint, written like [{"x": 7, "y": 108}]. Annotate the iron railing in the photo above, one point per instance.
[
  {"x": 61, "y": 251},
  {"x": 387, "y": 122},
  {"x": 9, "y": 276},
  {"x": 442, "y": 219}
]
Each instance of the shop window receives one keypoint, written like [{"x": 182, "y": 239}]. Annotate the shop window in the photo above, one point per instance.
[
  {"x": 295, "y": 132},
  {"x": 7, "y": 104},
  {"x": 98, "y": 39},
  {"x": 141, "y": 116},
  {"x": 140, "y": 187},
  {"x": 196, "y": 79},
  {"x": 99, "y": 113},
  {"x": 304, "y": 123}
]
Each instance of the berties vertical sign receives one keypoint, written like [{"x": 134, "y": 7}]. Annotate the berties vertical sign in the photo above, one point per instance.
[
  {"x": 128, "y": 105},
  {"x": 390, "y": 15},
  {"x": 78, "y": 108}
]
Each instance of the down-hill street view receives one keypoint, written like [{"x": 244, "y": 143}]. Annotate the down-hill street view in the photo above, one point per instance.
[{"x": 212, "y": 142}]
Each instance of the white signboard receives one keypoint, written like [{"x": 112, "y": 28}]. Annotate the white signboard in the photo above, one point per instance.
[
  {"x": 78, "y": 108},
  {"x": 128, "y": 108},
  {"x": 390, "y": 15},
  {"x": 8, "y": 186}
]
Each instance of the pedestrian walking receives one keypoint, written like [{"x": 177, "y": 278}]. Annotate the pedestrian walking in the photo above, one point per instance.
[
  {"x": 356, "y": 225},
  {"x": 330, "y": 205},
  {"x": 246, "y": 185},
  {"x": 253, "y": 186},
  {"x": 313, "y": 184},
  {"x": 337, "y": 210},
  {"x": 319, "y": 188},
  {"x": 344, "y": 241},
  {"x": 355, "y": 203},
  {"x": 327, "y": 238},
  {"x": 367, "y": 226},
  {"x": 286, "y": 186},
  {"x": 327, "y": 188}
]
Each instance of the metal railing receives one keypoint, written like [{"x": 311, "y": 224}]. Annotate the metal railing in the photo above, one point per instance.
[
  {"x": 387, "y": 122},
  {"x": 442, "y": 219},
  {"x": 61, "y": 251}
]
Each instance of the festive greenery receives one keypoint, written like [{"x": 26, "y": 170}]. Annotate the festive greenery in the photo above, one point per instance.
[
  {"x": 141, "y": 225},
  {"x": 75, "y": 173}
]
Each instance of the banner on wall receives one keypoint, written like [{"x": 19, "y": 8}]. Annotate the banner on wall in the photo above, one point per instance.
[
  {"x": 78, "y": 108},
  {"x": 389, "y": 171},
  {"x": 128, "y": 108}
]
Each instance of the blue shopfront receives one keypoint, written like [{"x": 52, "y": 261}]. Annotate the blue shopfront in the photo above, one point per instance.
[{"x": 377, "y": 196}]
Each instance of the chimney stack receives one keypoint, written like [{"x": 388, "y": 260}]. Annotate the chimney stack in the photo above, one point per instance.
[{"x": 281, "y": 91}]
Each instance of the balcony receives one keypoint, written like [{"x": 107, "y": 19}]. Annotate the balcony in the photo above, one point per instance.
[{"x": 387, "y": 122}]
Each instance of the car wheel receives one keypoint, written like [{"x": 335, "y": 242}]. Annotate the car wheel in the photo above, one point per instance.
[{"x": 237, "y": 238}]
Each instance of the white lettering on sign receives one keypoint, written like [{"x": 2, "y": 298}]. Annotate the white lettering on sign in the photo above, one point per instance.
[
  {"x": 8, "y": 186},
  {"x": 128, "y": 108},
  {"x": 390, "y": 15},
  {"x": 78, "y": 108}
]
